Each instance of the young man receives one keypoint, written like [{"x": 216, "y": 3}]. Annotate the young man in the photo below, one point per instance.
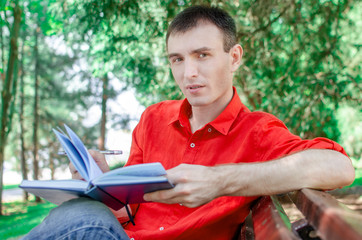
[{"x": 219, "y": 155}]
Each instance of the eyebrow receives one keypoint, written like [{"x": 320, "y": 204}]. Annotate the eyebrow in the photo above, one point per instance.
[{"x": 202, "y": 49}]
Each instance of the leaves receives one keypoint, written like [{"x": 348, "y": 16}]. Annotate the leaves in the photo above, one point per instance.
[{"x": 297, "y": 54}]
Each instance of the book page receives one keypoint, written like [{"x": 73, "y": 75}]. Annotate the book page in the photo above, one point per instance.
[
  {"x": 119, "y": 180},
  {"x": 72, "y": 154},
  {"x": 73, "y": 185},
  {"x": 142, "y": 170},
  {"x": 56, "y": 191},
  {"x": 92, "y": 168}
]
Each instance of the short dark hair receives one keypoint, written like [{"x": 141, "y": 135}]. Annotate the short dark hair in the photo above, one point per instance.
[{"x": 190, "y": 17}]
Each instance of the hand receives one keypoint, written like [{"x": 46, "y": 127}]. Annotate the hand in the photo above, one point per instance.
[
  {"x": 195, "y": 185},
  {"x": 98, "y": 158}
]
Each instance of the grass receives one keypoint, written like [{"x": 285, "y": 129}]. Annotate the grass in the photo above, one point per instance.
[
  {"x": 11, "y": 186},
  {"x": 20, "y": 217}
]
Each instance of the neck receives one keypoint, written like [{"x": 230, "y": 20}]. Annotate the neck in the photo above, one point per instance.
[{"x": 202, "y": 115}]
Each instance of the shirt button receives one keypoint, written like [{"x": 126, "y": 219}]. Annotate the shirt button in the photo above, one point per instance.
[
  {"x": 161, "y": 228},
  {"x": 209, "y": 130},
  {"x": 192, "y": 145}
]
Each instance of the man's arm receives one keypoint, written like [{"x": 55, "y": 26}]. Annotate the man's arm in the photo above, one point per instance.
[{"x": 313, "y": 168}]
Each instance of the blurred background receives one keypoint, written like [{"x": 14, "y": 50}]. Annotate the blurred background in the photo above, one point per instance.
[{"x": 95, "y": 65}]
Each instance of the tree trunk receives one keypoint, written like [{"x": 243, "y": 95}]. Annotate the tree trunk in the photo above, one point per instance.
[
  {"x": 52, "y": 156},
  {"x": 2, "y": 46},
  {"x": 35, "y": 110},
  {"x": 102, "y": 137},
  {"x": 7, "y": 93},
  {"x": 1, "y": 177},
  {"x": 24, "y": 169},
  {"x": 52, "y": 166}
]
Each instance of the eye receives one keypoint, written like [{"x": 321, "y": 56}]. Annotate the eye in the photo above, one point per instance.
[
  {"x": 202, "y": 55},
  {"x": 176, "y": 60}
]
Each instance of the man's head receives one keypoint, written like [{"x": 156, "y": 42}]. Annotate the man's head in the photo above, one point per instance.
[
  {"x": 192, "y": 16},
  {"x": 201, "y": 64}
]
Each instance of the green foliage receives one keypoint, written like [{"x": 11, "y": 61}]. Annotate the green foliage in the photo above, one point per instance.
[
  {"x": 350, "y": 124},
  {"x": 295, "y": 64},
  {"x": 62, "y": 98},
  {"x": 19, "y": 218},
  {"x": 122, "y": 38},
  {"x": 301, "y": 58}
]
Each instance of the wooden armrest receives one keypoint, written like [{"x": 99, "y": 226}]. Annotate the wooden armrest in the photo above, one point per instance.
[
  {"x": 270, "y": 221},
  {"x": 332, "y": 220},
  {"x": 324, "y": 218}
]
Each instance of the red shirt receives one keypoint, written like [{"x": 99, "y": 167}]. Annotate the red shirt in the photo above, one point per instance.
[{"x": 236, "y": 135}]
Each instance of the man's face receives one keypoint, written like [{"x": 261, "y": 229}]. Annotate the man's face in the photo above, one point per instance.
[{"x": 201, "y": 67}]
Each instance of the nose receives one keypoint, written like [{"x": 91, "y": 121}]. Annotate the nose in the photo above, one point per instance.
[{"x": 191, "y": 69}]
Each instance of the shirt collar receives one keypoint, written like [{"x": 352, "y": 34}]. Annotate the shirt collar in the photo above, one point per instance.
[{"x": 222, "y": 123}]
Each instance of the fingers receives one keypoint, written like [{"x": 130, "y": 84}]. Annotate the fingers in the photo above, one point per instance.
[
  {"x": 77, "y": 176},
  {"x": 164, "y": 196},
  {"x": 160, "y": 196},
  {"x": 100, "y": 159},
  {"x": 178, "y": 174},
  {"x": 193, "y": 186},
  {"x": 74, "y": 172},
  {"x": 97, "y": 156},
  {"x": 177, "y": 195},
  {"x": 72, "y": 169}
]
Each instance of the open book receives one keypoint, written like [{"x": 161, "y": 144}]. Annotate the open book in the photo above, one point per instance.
[{"x": 115, "y": 188}]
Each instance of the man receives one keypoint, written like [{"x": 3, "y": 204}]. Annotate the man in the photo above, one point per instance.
[{"x": 219, "y": 155}]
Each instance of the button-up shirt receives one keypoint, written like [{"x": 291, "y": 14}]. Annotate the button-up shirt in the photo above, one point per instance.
[{"x": 235, "y": 136}]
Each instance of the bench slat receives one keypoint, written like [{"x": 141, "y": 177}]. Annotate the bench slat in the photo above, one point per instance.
[
  {"x": 270, "y": 221},
  {"x": 332, "y": 219}
]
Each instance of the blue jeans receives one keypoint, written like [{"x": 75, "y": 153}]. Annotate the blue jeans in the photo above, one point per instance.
[{"x": 80, "y": 218}]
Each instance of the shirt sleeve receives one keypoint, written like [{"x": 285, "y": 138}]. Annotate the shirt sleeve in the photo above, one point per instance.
[
  {"x": 135, "y": 157},
  {"x": 273, "y": 140},
  {"x": 137, "y": 146}
]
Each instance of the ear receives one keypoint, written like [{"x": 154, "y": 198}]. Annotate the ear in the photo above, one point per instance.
[{"x": 236, "y": 53}]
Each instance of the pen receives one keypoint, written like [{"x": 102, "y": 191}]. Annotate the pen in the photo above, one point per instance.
[{"x": 106, "y": 152}]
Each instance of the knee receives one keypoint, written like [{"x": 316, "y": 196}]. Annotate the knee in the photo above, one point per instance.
[
  {"x": 81, "y": 208},
  {"x": 80, "y": 211},
  {"x": 78, "y": 218}
]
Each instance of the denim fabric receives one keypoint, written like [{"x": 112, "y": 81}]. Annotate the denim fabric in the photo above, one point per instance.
[{"x": 80, "y": 218}]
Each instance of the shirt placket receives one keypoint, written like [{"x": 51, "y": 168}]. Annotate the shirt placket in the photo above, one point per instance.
[{"x": 194, "y": 144}]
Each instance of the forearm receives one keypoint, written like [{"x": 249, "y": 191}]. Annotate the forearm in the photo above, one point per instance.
[
  {"x": 196, "y": 185},
  {"x": 314, "y": 168}
]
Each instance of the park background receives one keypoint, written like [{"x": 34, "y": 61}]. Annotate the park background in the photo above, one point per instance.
[{"x": 95, "y": 65}]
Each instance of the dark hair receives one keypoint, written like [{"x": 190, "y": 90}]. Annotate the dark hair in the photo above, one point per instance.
[{"x": 190, "y": 17}]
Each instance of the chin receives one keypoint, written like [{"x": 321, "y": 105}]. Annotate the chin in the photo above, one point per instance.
[{"x": 198, "y": 102}]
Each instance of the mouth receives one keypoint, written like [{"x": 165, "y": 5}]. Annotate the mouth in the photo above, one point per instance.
[{"x": 193, "y": 87}]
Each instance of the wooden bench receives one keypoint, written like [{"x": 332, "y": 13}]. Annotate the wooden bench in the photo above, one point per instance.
[{"x": 324, "y": 218}]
